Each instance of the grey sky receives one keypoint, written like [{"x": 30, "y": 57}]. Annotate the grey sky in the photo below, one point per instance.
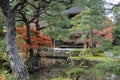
[{"x": 113, "y": 1}]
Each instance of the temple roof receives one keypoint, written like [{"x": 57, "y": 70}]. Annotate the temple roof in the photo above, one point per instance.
[{"x": 74, "y": 10}]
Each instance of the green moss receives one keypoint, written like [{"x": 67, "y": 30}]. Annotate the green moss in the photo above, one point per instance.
[
  {"x": 98, "y": 58},
  {"x": 93, "y": 58},
  {"x": 61, "y": 79},
  {"x": 75, "y": 52},
  {"x": 76, "y": 71},
  {"x": 75, "y": 58}
]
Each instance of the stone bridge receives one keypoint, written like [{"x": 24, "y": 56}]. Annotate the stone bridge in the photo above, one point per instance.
[{"x": 59, "y": 53}]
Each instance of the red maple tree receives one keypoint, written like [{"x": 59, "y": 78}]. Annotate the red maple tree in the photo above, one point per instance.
[
  {"x": 38, "y": 40},
  {"x": 107, "y": 33},
  {"x": 104, "y": 33}
]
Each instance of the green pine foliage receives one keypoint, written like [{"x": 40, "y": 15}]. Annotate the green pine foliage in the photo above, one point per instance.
[
  {"x": 116, "y": 51},
  {"x": 109, "y": 67},
  {"x": 106, "y": 44},
  {"x": 2, "y": 45},
  {"x": 6, "y": 75},
  {"x": 116, "y": 32}
]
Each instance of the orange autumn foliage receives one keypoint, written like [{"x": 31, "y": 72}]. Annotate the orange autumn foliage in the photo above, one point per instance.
[
  {"x": 2, "y": 78},
  {"x": 38, "y": 40},
  {"x": 107, "y": 32},
  {"x": 104, "y": 33}
]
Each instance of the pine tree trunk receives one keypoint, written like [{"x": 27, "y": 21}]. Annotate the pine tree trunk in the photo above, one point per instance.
[
  {"x": 17, "y": 64},
  {"x": 28, "y": 41},
  {"x": 15, "y": 59},
  {"x": 34, "y": 60}
]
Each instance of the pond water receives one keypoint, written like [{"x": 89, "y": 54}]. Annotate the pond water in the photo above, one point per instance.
[
  {"x": 48, "y": 72},
  {"x": 58, "y": 69},
  {"x": 54, "y": 68}
]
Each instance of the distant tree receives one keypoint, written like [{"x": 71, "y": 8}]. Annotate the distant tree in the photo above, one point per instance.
[
  {"x": 57, "y": 33},
  {"x": 91, "y": 18},
  {"x": 116, "y": 32},
  {"x": 86, "y": 22},
  {"x": 116, "y": 36},
  {"x": 115, "y": 9}
]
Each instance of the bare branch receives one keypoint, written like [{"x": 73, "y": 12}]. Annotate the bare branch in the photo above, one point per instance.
[
  {"x": 61, "y": 1},
  {"x": 113, "y": 6},
  {"x": 65, "y": 2},
  {"x": 23, "y": 15},
  {"x": 116, "y": 5},
  {"x": 43, "y": 27},
  {"x": 22, "y": 2},
  {"x": 37, "y": 12}
]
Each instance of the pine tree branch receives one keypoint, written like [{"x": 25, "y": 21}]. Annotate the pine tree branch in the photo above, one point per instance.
[
  {"x": 31, "y": 5},
  {"x": 22, "y": 13},
  {"x": 38, "y": 11},
  {"x": 60, "y": 1},
  {"x": 115, "y": 5},
  {"x": 22, "y": 2},
  {"x": 3, "y": 4}
]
